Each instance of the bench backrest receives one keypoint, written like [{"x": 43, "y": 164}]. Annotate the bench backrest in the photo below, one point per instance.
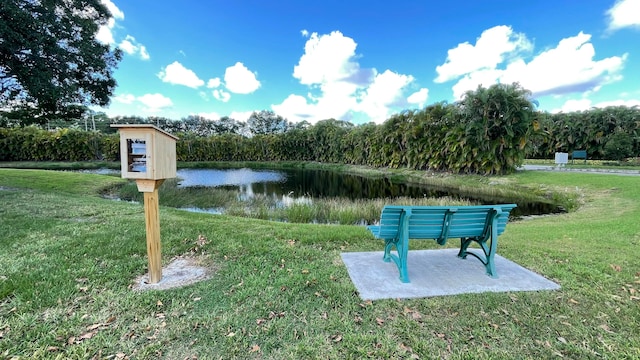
[
  {"x": 427, "y": 222},
  {"x": 579, "y": 154}
]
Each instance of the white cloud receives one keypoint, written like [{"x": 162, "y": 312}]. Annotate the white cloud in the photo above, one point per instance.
[
  {"x": 574, "y": 105},
  {"x": 213, "y": 83},
  {"x": 624, "y": 13},
  {"x": 294, "y": 107},
  {"x": 210, "y": 115},
  {"x": 586, "y": 104},
  {"x": 125, "y": 98},
  {"x": 175, "y": 73},
  {"x": 155, "y": 102},
  {"x": 240, "y": 115},
  {"x": 419, "y": 97},
  {"x": 304, "y": 32},
  {"x": 127, "y": 45},
  {"x": 486, "y": 77},
  {"x": 570, "y": 67},
  {"x": 628, "y": 103},
  {"x": 130, "y": 46},
  {"x": 221, "y": 95},
  {"x": 105, "y": 32},
  {"x": 338, "y": 87},
  {"x": 116, "y": 13},
  {"x": 492, "y": 48},
  {"x": 240, "y": 80},
  {"x": 144, "y": 54},
  {"x": 383, "y": 93},
  {"x": 151, "y": 103},
  {"x": 327, "y": 58}
]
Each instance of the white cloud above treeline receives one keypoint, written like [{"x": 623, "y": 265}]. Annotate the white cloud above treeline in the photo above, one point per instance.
[
  {"x": 105, "y": 32},
  {"x": 340, "y": 88},
  {"x": 501, "y": 56},
  {"x": 624, "y": 13},
  {"x": 240, "y": 80},
  {"x": 152, "y": 103},
  {"x": 419, "y": 97},
  {"x": 130, "y": 46},
  {"x": 492, "y": 48},
  {"x": 175, "y": 73},
  {"x": 586, "y": 104},
  {"x": 106, "y": 35}
]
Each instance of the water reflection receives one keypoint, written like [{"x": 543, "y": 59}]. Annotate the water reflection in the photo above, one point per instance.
[
  {"x": 228, "y": 177},
  {"x": 301, "y": 186}
]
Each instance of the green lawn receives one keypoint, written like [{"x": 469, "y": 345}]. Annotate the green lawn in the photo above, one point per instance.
[{"x": 68, "y": 260}]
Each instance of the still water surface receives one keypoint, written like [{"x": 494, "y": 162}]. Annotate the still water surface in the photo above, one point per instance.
[
  {"x": 298, "y": 183},
  {"x": 303, "y": 185}
]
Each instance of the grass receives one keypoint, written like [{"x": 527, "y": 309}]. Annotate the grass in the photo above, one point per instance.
[
  {"x": 268, "y": 207},
  {"x": 62, "y": 165},
  {"x": 68, "y": 259}
]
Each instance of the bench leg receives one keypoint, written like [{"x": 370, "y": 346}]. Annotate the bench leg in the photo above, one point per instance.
[
  {"x": 388, "y": 244},
  {"x": 403, "y": 253},
  {"x": 464, "y": 244},
  {"x": 402, "y": 250},
  {"x": 488, "y": 251}
]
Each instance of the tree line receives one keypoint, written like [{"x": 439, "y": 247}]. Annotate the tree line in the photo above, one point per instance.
[{"x": 490, "y": 131}]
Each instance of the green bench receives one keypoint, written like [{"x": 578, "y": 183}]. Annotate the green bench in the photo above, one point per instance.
[
  {"x": 579, "y": 154},
  {"x": 481, "y": 224}
]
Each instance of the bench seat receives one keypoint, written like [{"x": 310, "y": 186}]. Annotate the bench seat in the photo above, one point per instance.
[{"x": 481, "y": 224}]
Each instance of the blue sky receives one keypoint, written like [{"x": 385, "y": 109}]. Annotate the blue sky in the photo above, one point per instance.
[{"x": 366, "y": 60}]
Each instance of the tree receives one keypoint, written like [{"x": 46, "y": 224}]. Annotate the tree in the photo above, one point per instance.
[
  {"x": 50, "y": 58},
  {"x": 267, "y": 122},
  {"x": 498, "y": 122},
  {"x": 227, "y": 125},
  {"x": 619, "y": 146},
  {"x": 198, "y": 124}
]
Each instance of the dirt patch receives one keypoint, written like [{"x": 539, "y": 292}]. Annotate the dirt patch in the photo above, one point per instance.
[{"x": 180, "y": 272}]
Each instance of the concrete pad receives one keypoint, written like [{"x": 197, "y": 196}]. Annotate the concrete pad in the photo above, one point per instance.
[
  {"x": 180, "y": 272},
  {"x": 437, "y": 273}
]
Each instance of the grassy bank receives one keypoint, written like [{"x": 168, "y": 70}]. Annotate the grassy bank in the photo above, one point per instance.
[
  {"x": 269, "y": 207},
  {"x": 68, "y": 259}
]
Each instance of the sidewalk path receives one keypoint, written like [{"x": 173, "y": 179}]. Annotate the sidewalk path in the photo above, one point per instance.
[{"x": 583, "y": 170}]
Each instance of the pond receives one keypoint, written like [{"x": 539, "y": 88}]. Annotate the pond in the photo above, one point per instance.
[
  {"x": 300, "y": 183},
  {"x": 304, "y": 185}
]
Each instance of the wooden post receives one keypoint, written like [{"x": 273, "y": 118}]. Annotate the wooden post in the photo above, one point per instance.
[
  {"x": 148, "y": 155},
  {"x": 152, "y": 222}
]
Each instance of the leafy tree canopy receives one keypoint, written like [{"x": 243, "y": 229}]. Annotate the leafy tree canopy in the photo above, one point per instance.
[
  {"x": 267, "y": 122},
  {"x": 50, "y": 60}
]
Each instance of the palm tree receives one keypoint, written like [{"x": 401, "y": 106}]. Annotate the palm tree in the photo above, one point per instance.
[{"x": 498, "y": 122}]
